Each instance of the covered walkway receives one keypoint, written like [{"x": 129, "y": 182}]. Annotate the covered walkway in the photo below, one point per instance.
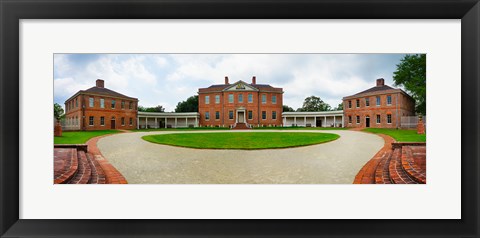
[
  {"x": 313, "y": 119},
  {"x": 147, "y": 120}
]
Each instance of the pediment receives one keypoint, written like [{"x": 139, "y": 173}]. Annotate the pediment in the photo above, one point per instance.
[{"x": 240, "y": 86}]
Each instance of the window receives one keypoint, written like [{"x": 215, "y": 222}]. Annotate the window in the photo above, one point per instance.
[
  {"x": 123, "y": 104},
  {"x": 102, "y": 103},
  {"x": 131, "y": 121},
  {"x": 90, "y": 121},
  {"x": 230, "y": 115},
  {"x": 207, "y": 116},
  {"x": 264, "y": 115},
  {"x": 250, "y": 115},
  {"x": 358, "y": 102},
  {"x": 123, "y": 121},
  {"x": 207, "y": 99},
  {"x": 274, "y": 115},
  {"x": 76, "y": 102},
  {"x": 230, "y": 98},
  {"x": 240, "y": 97},
  {"x": 130, "y": 105},
  {"x": 217, "y": 99},
  {"x": 217, "y": 115},
  {"x": 349, "y": 104},
  {"x": 90, "y": 102},
  {"x": 102, "y": 121},
  {"x": 358, "y": 119},
  {"x": 113, "y": 104},
  {"x": 378, "y": 119},
  {"x": 367, "y": 102},
  {"x": 274, "y": 99},
  {"x": 350, "y": 119},
  {"x": 389, "y": 118},
  {"x": 250, "y": 98},
  {"x": 389, "y": 100},
  {"x": 378, "y": 100},
  {"x": 264, "y": 98}
]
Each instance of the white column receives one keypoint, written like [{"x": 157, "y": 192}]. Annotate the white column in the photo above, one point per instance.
[
  {"x": 175, "y": 122},
  {"x": 186, "y": 121},
  {"x": 295, "y": 120},
  {"x": 305, "y": 121},
  {"x": 156, "y": 125},
  {"x": 166, "y": 122},
  {"x": 325, "y": 117},
  {"x": 196, "y": 123},
  {"x": 146, "y": 122},
  {"x": 343, "y": 122},
  {"x": 315, "y": 121},
  {"x": 334, "y": 121},
  {"x": 138, "y": 122},
  {"x": 284, "y": 121}
]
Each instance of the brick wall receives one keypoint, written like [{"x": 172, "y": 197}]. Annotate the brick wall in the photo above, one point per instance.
[
  {"x": 401, "y": 105},
  {"x": 224, "y": 107},
  {"x": 79, "y": 112}
]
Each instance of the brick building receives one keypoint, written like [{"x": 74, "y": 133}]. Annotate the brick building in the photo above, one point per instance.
[
  {"x": 99, "y": 108},
  {"x": 240, "y": 105},
  {"x": 379, "y": 107}
]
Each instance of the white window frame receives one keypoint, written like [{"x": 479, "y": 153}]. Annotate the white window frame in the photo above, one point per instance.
[
  {"x": 274, "y": 113},
  {"x": 274, "y": 99},
  {"x": 102, "y": 124},
  {"x": 264, "y": 98},
  {"x": 357, "y": 119},
  {"x": 217, "y": 113},
  {"x": 91, "y": 121},
  {"x": 207, "y": 99},
  {"x": 102, "y": 102},
  {"x": 250, "y": 98},
  {"x": 265, "y": 115},
  {"x": 91, "y": 102},
  {"x": 378, "y": 100},
  {"x": 379, "y": 119},
  {"x": 390, "y": 118},
  {"x": 217, "y": 99},
  {"x": 207, "y": 116},
  {"x": 231, "y": 113},
  {"x": 240, "y": 98},
  {"x": 113, "y": 103},
  {"x": 230, "y": 98},
  {"x": 389, "y": 103},
  {"x": 367, "y": 102}
]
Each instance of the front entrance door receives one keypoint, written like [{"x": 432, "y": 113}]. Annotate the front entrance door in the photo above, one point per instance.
[
  {"x": 367, "y": 121},
  {"x": 319, "y": 123},
  {"x": 112, "y": 123},
  {"x": 241, "y": 117}
]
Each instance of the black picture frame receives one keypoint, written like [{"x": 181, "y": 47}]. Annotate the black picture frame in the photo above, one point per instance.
[{"x": 12, "y": 11}]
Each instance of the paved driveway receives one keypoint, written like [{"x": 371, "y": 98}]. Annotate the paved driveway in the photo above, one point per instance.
[{"x": 329, "y": 163}]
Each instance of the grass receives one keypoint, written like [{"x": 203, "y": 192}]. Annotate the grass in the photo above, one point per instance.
[
  {"x": 399, "y": 134},
  {"x": 299, "y": 128},
  {"x": 182, "y": 129},
  {"x": 79, "y": 137},
  {"x": 242, "y": 140}
]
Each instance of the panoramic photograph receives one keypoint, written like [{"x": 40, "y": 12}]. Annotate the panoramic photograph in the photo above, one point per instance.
[{"x": 239, "y": 118}]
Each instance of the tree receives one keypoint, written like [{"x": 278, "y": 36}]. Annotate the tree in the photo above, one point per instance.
[
  {"x": 412, "y": 75},
  {"x": 58, "y": 112},
  {"x": 158, "y": 108},
  {"x": 340, "y": 106},
  {"x": 190, "y": 105},
  {"x": 287, "y": 109},
  {"x": 314, "y": 104}
]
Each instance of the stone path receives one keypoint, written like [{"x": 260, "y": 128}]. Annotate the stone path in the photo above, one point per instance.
[{"x": 335, "y": 162}]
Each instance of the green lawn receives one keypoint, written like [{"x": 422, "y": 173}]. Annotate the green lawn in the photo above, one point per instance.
[
  {"x": 79, "y": 137},
  {"x": 299, "y": 128},
  {"x": 400, "y": 135},
  {"x": 242, "y": 140},
  {"x": 182, "y": 129}
]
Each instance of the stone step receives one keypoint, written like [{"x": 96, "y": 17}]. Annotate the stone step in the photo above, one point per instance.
[
  {"x": 84, "y": 171},
  {"x": 241, "y": 126},
  {"x": 382, "y": 174},
  {"x": 65, "y": 164},
  {"x": 98, "y": 175},
  {"x": 395, "y": 169},
  {"x": 409, "y": 165}
]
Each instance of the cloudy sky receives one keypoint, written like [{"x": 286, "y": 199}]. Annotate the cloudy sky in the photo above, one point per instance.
[{"x": 166, "y": 79}]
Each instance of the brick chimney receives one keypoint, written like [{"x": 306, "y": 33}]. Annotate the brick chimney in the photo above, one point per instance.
[
  {"x": 380, "y": 82},
  {"x": 254, "y": 80},
  {"x": 100, "y": 83},
  {"x": 226, "y": 80}
]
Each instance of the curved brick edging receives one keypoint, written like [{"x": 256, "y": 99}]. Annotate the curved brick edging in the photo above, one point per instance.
[
  {"x": 366, "y": 175},
  {"x": 112, "y": 175}
]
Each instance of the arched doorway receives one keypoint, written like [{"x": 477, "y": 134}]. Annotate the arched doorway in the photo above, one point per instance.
[{"x": 112, "y": 123}]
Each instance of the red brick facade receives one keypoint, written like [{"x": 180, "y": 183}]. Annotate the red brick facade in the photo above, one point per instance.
[
  {"x": 99, "y": 108},
  {"x": 378, "y": 107},
  {"x": 226, "y": 104}
]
